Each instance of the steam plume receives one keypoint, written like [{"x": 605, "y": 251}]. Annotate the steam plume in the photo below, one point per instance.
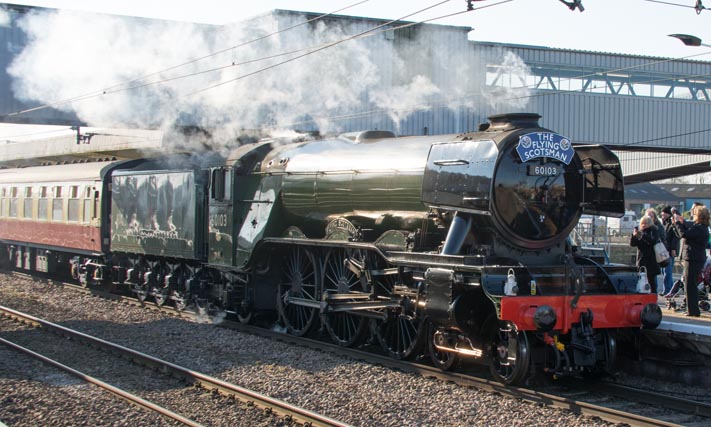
[{"x": 70, "y": 54}]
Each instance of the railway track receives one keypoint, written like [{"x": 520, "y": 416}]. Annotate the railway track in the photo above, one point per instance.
[
  {"x": 214, "y": 385},
  {"x": 610, "y": 402}
]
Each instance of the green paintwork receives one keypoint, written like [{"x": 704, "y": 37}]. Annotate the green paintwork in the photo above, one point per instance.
[
  {"x": 375, "y": 185},
  {"x": 155, "y": 213}
]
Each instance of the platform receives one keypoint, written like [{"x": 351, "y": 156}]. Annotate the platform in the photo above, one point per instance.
[
  {"x": 679, "y": 350},
  {"x": 673, "y": 320}
]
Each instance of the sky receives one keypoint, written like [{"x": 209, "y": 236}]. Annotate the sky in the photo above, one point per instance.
[
  {"x": 638, "y": 27},
  {"x": 121, "y": 51}
]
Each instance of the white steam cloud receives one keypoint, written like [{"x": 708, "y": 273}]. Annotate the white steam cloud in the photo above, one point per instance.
[
  {"x": 4, "y": 18},
  {"x": 512, "y": 90},
  {"x": 70, "y": 54}
]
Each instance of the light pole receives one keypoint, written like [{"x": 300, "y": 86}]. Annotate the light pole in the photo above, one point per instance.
[{"x": 689, "y": 40}]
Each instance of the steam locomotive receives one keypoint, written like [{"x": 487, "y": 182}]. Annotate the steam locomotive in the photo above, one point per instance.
[{"x": 455, "y": 246}]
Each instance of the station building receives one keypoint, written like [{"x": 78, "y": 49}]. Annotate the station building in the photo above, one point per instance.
[{"x": 406, "y": 77}]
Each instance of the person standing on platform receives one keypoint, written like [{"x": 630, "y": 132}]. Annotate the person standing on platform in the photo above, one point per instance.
[
  {"x": 672, "y": 245},
  {"x": 693, "y": 252},
  {"x": 643, "y": 238},
  {"x": 661, "y": 231}
]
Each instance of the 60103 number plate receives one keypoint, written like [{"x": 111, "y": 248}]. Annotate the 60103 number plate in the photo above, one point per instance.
[{"x": 543, "y": 170}]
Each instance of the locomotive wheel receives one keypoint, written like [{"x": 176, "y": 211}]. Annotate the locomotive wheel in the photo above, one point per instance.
[
  {"x": 180, "y": 300},
  {"x": 606, "y": 342},
  {"x": 245, "y": 316},
  {"x": 161, "y": 295},
  {"x": 161, "y": 292},
  {"x": 299, "y": 279},
  {"x": 141, "y": 293},
  {"x": 443, "y": 360},
  {"x": 140, "y": 288},
  {"x": 401, "y": 332},
  {"x": 344, "y": 328},
  {"x": 401, "y": 335},
  {"x": 508, "y": 353},
  {"x": 180, "y": 293}
]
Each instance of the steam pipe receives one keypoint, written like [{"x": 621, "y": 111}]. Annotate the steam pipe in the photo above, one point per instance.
[{"x": 461, "y": 224}]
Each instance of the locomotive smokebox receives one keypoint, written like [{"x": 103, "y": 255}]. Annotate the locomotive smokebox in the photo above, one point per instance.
[{"x": 525, "y": 182}]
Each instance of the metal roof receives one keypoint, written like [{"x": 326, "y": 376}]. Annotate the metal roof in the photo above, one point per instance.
[
  {"x": 60, "y": 173},
  {"x": 624, "y": 101}
]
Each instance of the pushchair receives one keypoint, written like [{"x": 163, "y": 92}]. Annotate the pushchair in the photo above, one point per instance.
[{"x": 676, "y": 297}]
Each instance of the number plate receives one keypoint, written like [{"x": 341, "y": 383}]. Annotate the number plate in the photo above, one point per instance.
[{"x": 543, "y": 170}]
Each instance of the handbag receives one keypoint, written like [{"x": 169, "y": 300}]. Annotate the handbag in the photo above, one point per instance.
[{"x": 661, "y": 254}]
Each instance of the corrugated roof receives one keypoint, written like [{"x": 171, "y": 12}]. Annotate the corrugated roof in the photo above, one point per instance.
[
  {"x": 688, "y": 191},
  {"x": 649, "y": 193}
]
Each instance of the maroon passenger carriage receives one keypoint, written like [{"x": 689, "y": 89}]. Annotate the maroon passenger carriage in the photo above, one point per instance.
[{"x": 51, "y": 215}]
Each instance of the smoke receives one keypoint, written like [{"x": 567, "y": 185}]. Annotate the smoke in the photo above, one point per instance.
[
  {"x": 512, "y": 91},
  {"x": 401, "y": 101},
  {"x": 4, "y": 18},
  {"x": 69, "y": 54}
]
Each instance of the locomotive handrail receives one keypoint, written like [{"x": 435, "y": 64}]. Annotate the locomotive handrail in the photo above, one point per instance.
[
  {"x": 457, "y": 162},
  {"x": 255, "y": 201}
]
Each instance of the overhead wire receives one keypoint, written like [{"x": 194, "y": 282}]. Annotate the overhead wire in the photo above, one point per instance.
[
  {"x": 112, "y": 89},
  {"x": 445, "y": 102},
  {"x": 698, "y": 7},
  {"x": 378, "y": 29},
  {"x": 316, "y": 50},
  {"x": 375, "y": 30},
  {"x": 312, "y": 49},
  {"x": 546, "y": 93},
  {"x": 7, "y": 137},
  {"x": 295, "y": 51}
]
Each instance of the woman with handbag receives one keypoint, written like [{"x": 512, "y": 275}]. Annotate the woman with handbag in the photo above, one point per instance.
[
  {"x": 644, "y": 238},
  {"x": 693, "y": 252}
]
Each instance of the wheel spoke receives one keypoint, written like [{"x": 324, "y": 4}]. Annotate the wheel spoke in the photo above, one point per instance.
[
  {"x": 345, "y": 328},
  {"x": 508, "y": 356},
  {"x": 299, "y": 280}
]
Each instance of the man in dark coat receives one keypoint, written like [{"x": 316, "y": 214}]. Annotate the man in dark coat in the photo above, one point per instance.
[
  {"x": 693, "y": 253},
  {"x": 672, "y": 245}
]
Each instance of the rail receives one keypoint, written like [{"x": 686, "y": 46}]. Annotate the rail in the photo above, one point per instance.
[{"x": 277, "y": 406}]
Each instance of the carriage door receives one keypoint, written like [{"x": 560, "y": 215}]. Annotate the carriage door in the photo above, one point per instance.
[{"x": 220, "y": 224}]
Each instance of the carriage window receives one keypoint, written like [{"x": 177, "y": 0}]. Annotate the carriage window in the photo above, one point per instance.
[
  {"x": 87, "y": 204},
  {"x": 228, "y": 184},
  {"x": 27, "y": 208},
  {"x": 97, "y": 204},
  {"x": 42, "y": 206},
  {"x": 57, "y": 204},
  {"x": 13, "y": 202},
  {"x": 217, "y": 189},
  {"x": 57, "y": 209},
  {"x": 4, "y": 202},
  {"x": 73, "y": 204}
]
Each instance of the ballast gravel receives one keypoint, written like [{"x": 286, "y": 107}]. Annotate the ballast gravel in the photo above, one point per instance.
[{"x": 353, "y": 392}]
